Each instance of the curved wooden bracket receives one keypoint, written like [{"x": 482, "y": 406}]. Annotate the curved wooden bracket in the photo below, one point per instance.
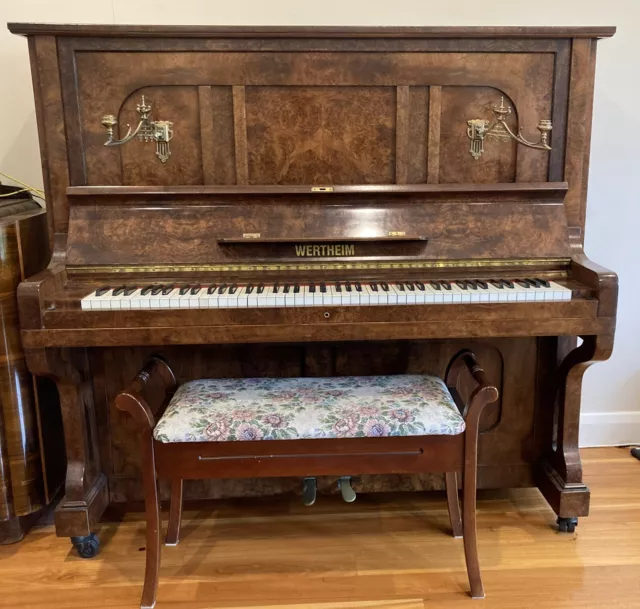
[
  {"x": 137, "y": 398},
  {"x": 567, "y": 457}
]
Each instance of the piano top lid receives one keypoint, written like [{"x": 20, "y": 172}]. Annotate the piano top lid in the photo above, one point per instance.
[{"x": 202, "y": 31}]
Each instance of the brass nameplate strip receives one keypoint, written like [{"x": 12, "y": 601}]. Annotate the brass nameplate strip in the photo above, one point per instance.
[{"x": 319, "y": 266}]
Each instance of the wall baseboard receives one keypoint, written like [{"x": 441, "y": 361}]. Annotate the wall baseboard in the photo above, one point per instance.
[{"x": 609, "y": 428}]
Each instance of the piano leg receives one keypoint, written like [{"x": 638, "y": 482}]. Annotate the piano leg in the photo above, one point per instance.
[
  {"x": 560, "y": 475},
  {"x": 86, "y": 493}
]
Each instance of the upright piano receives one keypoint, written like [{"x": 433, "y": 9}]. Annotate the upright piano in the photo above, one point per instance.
[{"x": 317, "y": 201}]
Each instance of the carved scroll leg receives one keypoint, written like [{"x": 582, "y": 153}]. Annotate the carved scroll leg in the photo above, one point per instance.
[
  {"x": 152, "y": 509},
  {"x": 453, "y": 503},
  {"x": 86, "y": 493},
  {"x": 175, "y": 513},
  {"x": 560, "y": 479}
]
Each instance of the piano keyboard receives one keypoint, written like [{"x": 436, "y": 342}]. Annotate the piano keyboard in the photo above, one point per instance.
[{"x": 343, "y": 293}]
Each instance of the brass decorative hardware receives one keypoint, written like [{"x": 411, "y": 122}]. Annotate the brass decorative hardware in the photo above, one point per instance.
[
  {"x": 322, "y": 189},
  {"x": 161, "y": 132},
  {"x": 478, "y": 129},
  {"x": 251, "y": 235},
  {"x": 539, "y": 263}
]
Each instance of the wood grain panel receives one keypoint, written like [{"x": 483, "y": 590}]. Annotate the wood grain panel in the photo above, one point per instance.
[
  {"x": 435, "y": 119},
  {"x": 321, "y": 135},
  {"x": 207, "y": 140},
  {"x": 497, "y": 164},
  {"x": 240, "y": 135},
  {"x": 579, "y": 131},
  {"x": 140, "y": 165}
]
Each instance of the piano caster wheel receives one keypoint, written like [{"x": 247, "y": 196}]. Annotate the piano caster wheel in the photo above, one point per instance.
[
  {"x": 348, "y": 494},
  {"x": 309, "y": 491},
  {"x": 567, "y": 525},
  {"x": 87, "y": 546}
]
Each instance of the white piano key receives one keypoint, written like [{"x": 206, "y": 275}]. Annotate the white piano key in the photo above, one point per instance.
[
  {"x": 316, "y": 296},
  {"x": 401, "y": 295},
  {"x": 560, "y": 292},
  {"x": 278, "y": 296},
  {"x": 459, "y": 295},
  {"x": 411, "y": 294},
  {"x": 299, "y": 297},
  {"x": 165, "y": 299},
  {"x": 365, "y": 298},
  {"x": 289, "y": 297},
  {"x": 381, "y": 295}
]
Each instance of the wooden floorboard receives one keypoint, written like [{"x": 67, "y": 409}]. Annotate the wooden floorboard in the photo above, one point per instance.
[{"x": 382, "y": 552}]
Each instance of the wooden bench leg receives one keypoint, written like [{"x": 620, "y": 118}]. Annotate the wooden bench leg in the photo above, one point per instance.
[
  {"x": 175, "y": 513},
  {"x": 453, "y": 503},
  {"x": 470, "y": 533},
  {"x": 152, "y": 508}
]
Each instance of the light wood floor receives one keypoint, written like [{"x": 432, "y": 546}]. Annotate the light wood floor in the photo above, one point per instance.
[{"x": 381, "y": 552}]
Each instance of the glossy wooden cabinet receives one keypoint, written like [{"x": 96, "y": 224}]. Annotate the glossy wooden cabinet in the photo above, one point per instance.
[{"x": 30, "y": 425}]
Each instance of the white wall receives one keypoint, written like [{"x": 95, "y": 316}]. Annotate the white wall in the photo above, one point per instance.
[{"x": 611, "y": 403}]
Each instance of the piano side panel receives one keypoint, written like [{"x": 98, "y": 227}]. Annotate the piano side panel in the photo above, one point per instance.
[{"x": 507, "y": 450}]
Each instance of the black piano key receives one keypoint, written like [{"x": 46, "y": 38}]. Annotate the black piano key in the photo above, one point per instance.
[
  {"x": 103, "y": 290},
  {"x": 312, "y": 288},
  {"x": 195, "y": 289},
  {"x": 347, "y": 286},
  {"x": 338, "y": 287},
  {"x": 462, "y": 284},
  {"x": 385, "y": 286},
  {"x": 296, "y": 288},
  {"x": 358, "y": 286},
  {"x": 497, "y": 283},
  {"x": 233, "y": 289},
  {"x": 420, "y": 285},
  {"x": 446, "y": 285},
  {"x": 250, "y": 288},
  {"x": 148, "y": 289},
  {"x": 522, "y": 283},
  {"x": 260, "y": 288},
  {"x": 276, "y": 287},
  {"x": 286, "y": 288},
  {"x": 544, "y": 283},
  {"x": 412, "y": 288},
  {"x": 211, "y": 289},
  {"x": 129, "y": 291},
  {"x": 167, "y": 289},
  {"x": 472, "y": 284},
  {"x": 118, "y": 291},
  {"x": 222, "y": 289},
  {"x": 483, "y": 284},
  {"x": 508, "y": 283},
  {"x": 374, "y": 286},
  {"x": 323, "y": 288},
  {"x": 400, "y": 286},
  {"x": 533, "y": 282},
  {"x": 183, "y": 290},
  {"x": 436, "y": 285},
  {"x": 155, "y": 290}
]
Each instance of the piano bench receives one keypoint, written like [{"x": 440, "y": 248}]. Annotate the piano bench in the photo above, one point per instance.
[{"x": 269, "y": 427}]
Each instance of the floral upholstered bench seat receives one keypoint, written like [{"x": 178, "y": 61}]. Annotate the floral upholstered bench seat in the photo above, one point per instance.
[{"x": 219, "y": 410}]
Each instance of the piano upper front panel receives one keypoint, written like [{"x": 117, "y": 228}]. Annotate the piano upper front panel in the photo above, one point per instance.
[{"x": 311, "y": 118}]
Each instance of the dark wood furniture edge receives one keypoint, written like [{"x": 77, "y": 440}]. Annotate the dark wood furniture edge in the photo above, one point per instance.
[
  {"x": 601, "y": 279},
  {"x": 310, "y": 31},
  {"x": 543, "y": 188}
]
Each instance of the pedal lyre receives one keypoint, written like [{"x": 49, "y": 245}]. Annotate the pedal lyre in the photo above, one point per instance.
[
  {"x": 348, "y": 494},
  {"x": 309, "y": 491}
]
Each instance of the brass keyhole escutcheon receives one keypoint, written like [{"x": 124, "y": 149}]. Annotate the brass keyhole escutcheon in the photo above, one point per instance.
[{"x": 327, "y": 314}]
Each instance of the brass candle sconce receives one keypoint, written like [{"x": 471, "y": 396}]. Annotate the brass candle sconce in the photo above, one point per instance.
[
  {"x": 478, "y": 129},
  {"x": 160, "y": 132}
]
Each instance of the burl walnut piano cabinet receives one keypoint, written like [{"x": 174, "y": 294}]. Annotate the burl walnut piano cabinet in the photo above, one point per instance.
[{"x": 252, "y": 202}]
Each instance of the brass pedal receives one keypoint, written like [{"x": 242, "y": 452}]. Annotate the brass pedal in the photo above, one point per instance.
[
  {"x": 309, "y": 491},
  {"x": 348, "y": 494}
]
